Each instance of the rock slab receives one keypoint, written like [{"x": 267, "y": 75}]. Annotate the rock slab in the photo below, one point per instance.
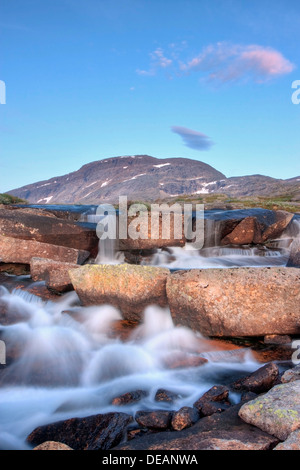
[
  {"x": 129, "y": 288},
  {"x": 236, "y": 301}
]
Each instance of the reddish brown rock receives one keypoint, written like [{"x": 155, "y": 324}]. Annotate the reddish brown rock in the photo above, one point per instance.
[
  {"x": 274, "y": 231},
  {"x": 225, "y": 431},
  {"x": 14, "y": 250},
  {"x": 246, "y": 232},
  {"x": 291, "y": 443},
  {"x": 261, "y": 381},
  {"x": 236, "y": 302},
  {"x": 129, "y": 397},
  {"x": 51, "y": 445},
  {"x": 129, "y": 288},
  {"x": 98, "y": 432},
  {"x": 213, "y": 401},
  {"x": 166, "y": 396},
  {"x": 55, "y": 273},
  {"x": 157, "y": 419},
  {"x": 30, "y": 224},
  {"x": 184, "y": 418}
]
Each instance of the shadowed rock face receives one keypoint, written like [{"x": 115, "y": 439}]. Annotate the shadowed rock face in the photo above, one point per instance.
[
  {"x": 98, "y": 432},
  {"x": 142, "y": 177}
]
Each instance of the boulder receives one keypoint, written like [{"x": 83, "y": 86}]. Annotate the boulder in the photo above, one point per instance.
[
  {"x": 129, "y": 288},
  {"x": 276, "y": 229},
  {"x": 262, "y": 380},
  {"x": 46, "y": 228},
  {"x": 157, "y": 419},
  {"x": 294, "y": 258},
  {"x": 225, "y": 431},
  {"x": 184, "y": 418},
  {"x": 292, "y": 442},
  {"x": 166, "y": 396},
  {"x": 98, "y": 432},
  {"x": 14, "y": 250},
  {"x": 246, "y": 232},
  {"x": 276, "y": 412},
  {"x": 291, "y": 375},
  {"x": 277, "y": 339},
  {"x": 236, "y": 301},
  {"x": 51, "y": 445},
  {"x": 213, "y": 401},
  {"x": 149, "y": 240},
  {"x": 129, "y": 397},
  {"x": 55, "y": 273}
]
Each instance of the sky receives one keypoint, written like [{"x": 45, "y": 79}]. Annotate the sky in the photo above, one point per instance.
[{"x": 204, "y": 79}]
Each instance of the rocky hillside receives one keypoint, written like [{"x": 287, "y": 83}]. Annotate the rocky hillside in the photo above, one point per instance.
[{"x": 142, "y": 177}]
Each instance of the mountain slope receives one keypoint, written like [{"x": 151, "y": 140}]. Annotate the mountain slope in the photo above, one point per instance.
[{"x": 141, "y": 177}]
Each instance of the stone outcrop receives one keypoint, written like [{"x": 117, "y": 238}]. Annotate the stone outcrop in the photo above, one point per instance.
[
  {"x": 225, "y": 431},
  {"x": 14, "y": 250},
  {"x": 33, "y": 224},
  {"x": 236, "y": 302},
  {"x": 129, "y": 288},
  {"x": 276, "y": 412}
]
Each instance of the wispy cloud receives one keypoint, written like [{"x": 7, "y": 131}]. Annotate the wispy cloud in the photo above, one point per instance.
[
  {"x": 158, "y": 60},
  {"x": 193, "y": 139},
  {"x": 225, "y": 62},
  {"x": 231, "y": 62}
]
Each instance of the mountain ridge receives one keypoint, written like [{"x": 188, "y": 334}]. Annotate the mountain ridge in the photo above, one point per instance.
[{"x": 148, "y": 178}]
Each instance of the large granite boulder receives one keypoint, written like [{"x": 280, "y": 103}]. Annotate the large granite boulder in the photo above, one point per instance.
[{"x": 236, "y": 301}]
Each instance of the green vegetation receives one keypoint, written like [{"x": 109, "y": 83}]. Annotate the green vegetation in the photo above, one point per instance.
[{"x": 8, "y": 199}]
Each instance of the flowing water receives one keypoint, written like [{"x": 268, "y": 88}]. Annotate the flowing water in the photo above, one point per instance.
[{"x": 63, "y": 360}]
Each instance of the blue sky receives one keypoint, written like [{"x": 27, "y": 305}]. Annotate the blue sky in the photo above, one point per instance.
[{"x": 203, "y": 79}]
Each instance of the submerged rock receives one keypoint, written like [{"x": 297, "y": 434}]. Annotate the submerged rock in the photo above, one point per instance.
[
  {"x": 294, "y": 259},
  {"x": 236, "y": 301},
  {"x": 129, "y": 397},
  {"x": 277, "y": 412},
  {"x": 98, "y": 432},
  {"x": 129, "y": 288}
]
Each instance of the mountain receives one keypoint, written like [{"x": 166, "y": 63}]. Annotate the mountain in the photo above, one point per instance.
[{"x": 141, "y": 177}]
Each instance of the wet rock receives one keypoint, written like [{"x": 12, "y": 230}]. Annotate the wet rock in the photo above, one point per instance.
[
  {"x": 149, "y": 240},
  {"x": 184, "y": 418},
  {"x": 51, "y": 445},
  {"x": 236, "y": 302},
  {"x": 276, "y": 412},
  {"x": 14, "y": 250},
  {"x": 276, "y": 229},
  {"x": 130, "y": 397},
  {"x": 30, "y": 224},
  {"x": 294, "y": 258},
  {"x": 213, "y": 401},
  {"x": 277, "y": 339},
  {"x": 98, "y": 432},
  {"x": 157, "y": 419},
  {"x": 291, "y": 375},
  {"x": 292, "y": 442},
  {"x": 225, "y": 431},
  {"x": 129, "y": 288},
  {"x": 248, "y": 396},
  {"x": 16, "y": 269},
  {"x": 166, "y": 396},
  {"x": 246, "y": 232},
  {"x": 260, "y": 381},
  {"x": 183, "y": 360}
]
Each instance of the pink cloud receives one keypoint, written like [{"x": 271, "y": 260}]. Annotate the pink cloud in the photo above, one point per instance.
[{"x": 230, "y": 62}]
